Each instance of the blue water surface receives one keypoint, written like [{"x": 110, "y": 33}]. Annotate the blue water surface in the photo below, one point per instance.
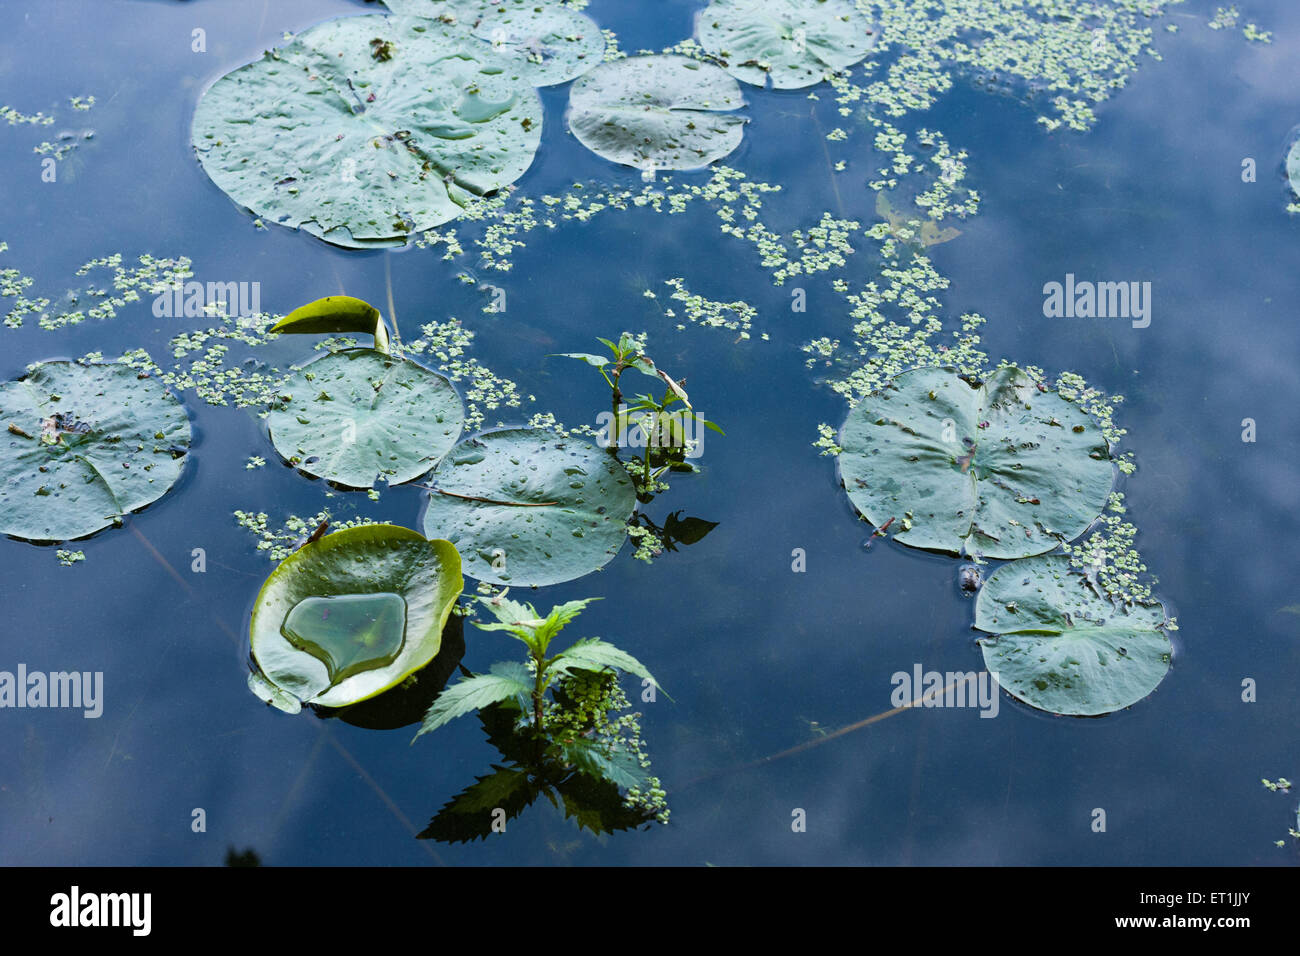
[{"x": 757, "y": 658}]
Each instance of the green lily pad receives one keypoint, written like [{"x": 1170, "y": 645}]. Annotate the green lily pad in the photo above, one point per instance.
[
  {"x": 358, "y": 415},
  {"x": 1003, "y": 469},
  {"x": 364, "y": 130},
  {"x": 1061, "y": 647},
  {"x": 554, "y": 43},
  {"x": 657, "y": 112},
  {"x": 351, "y": 615},
  {"x": 526, "y": 507},
  {"x": 336, "y": 313},
  {"x": 795, "y": 43},
  {"x": 85, "y": 444}
]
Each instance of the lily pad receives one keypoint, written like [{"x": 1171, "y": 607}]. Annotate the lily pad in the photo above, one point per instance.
[
  {"x": 657, "y": 112},
  {"x": 1062, "y": 647},
  {"x": 364, "y": 130},
  {"x": 526, "y": 507},
  {"x": 351, "y": 615},
  {"x": 85, "y": 444},
  {"x": 795, "y": 43},
  {"x": 1004, "y": 469},
  {"x": 336, "y": 313},
  {"x": 554, "y": 43},
  {"x": 358, "y": 415},
  {"x": 1293, "y": 166}
]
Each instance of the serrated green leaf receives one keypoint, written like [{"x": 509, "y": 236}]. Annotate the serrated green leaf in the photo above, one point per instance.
[
  {"x": 555, "y": 621},
  {"x": 471, "y": 814},
  {"x": 594, "y": 654},
  {"x": 620, "y": 769},
  {"x": 471, "y": 694}
]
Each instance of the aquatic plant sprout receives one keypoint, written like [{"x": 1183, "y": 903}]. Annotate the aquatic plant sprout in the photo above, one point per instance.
[
  {"x": 657, "y": 112},
  {"x": 364, "y": 130},
  {"x": 792, "y": 43},
  {"x": 350, "y": 615},
  {"x": 552, "y": 716},
  {"x": 85, "y": 444}
]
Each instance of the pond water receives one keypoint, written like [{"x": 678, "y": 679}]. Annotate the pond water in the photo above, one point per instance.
[{"x": 758, "y": 658}]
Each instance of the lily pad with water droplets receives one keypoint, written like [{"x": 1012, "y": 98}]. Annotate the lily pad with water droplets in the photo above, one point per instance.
[
  {"x": 795, "y": 43},
  {"x": 85, "y": 444},
  {"x": 365, "y": 130},
  {"x": 554, "y": 43},
  {"x": 657, "y": 112},
  {"x": 351, "y": 615},
  {"x": 1003, "y": 469},
  {"x": 527, "y": 507},
  {"x": 1293, "y": 166},
  {"x": 1060, "y": 646},
  {"x": 359, "y": 415}
]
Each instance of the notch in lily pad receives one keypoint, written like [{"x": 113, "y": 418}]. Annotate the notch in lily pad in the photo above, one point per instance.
[{"x": 351, "y": 615}]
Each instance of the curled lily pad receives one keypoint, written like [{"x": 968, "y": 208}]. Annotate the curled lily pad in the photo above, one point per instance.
[
  {"x": 526, "y": 507},
  {"x": 554, "y": 43},
  {"x": 364, "y": 130},
  {"x": 657, "y": 112},
  {"x": 1002, "y": 469},
  {"x": 85, "y": 444},
  {"x": 1060, "y": 646},
  {"x": 336, "y": 313},
  {"x": 358, "y": 415},
  {"x": 346, "y": 617},
  {"x": 795, "y": 43}
]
